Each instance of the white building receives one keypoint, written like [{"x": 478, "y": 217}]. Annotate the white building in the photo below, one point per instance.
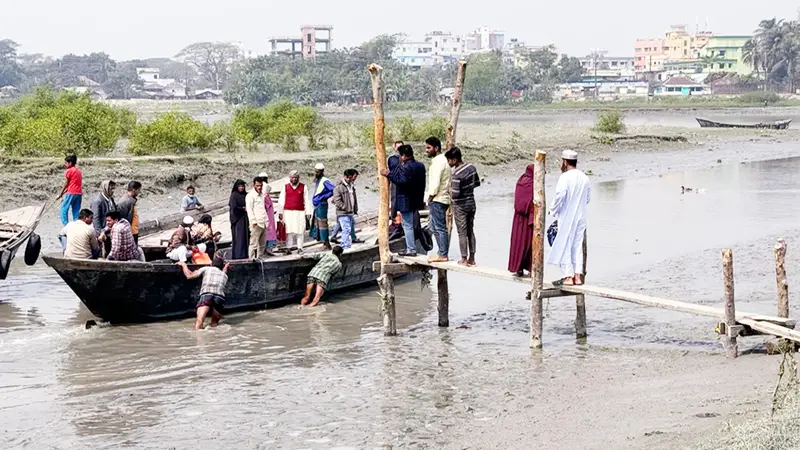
[
  {"x": 436, "y": 48},
  {"x": 485, "y": 39},
  {"x": 609, "y": 67},
  {"x": 605, "y": 90},
  {"x": 148, "y": 74}
]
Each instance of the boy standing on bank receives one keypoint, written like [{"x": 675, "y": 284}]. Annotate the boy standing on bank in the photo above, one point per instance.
[{"x": 72, "y": 191}]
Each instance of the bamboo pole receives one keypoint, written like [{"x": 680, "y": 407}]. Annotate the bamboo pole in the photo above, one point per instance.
[
  {"x": 442, "y": 286},
  {"x": 729, "y": 339},
  {"x": 456, "y": 109},
  {"x": 780, "y": 278},
  {"x": 580, "y": 299},
  {"x": 537, "y": 249},
  {"x": 386, "y": 280}
]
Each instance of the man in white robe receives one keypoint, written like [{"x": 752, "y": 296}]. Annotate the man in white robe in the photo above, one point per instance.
[
  {"x": 296, "y": 211},
  {"x": 570, "y": 209}
]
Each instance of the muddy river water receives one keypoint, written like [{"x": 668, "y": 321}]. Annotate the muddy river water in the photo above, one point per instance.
[{"x": 327, "y": 378}]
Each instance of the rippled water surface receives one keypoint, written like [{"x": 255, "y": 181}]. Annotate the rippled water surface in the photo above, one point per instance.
[{"x": 327, "y": 377}]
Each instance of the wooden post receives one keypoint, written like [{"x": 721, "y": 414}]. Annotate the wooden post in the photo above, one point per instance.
[
  {"x": 729, "y": 339},
  {"x": 386, "y": 280},
  {"x": 780, "y": 277},
  {"x": 456, "y": 109},
  {"x": 580, "y": 300},
  {"x": 537, "y": 250},
  {"x": 442, "y": 287}
]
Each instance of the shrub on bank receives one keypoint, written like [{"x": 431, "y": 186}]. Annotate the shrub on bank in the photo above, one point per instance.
[
  {"x": 609, "y": 122},
  {"x": 282, "y": 123},
  {"x": 47, "y": 123},
  {"x": 406, "y": 129},
  {"x": 758, "y": 98},
  {"x": 171, "y": 132}
]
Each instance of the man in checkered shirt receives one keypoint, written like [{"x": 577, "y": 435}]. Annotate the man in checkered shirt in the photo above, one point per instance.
[
  {"x": 212, "y": 291},
  {"x": 123, "y": 247}
]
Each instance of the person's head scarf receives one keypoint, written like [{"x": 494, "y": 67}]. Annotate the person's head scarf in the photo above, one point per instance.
[
  {"x": 523, "y": 196},
  {"x": 236, "y": 204}
]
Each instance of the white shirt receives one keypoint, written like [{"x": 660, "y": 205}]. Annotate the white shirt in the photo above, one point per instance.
[
  {"x": 81, "y": 240},
  {"x": 256, "y": 209},
  {"x": 439, "y": 180}
]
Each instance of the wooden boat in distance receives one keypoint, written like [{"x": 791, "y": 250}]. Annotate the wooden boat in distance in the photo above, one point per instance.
[
  {"x": 130, "y": 292},
  {"x": 16, "y": 226},
  {"x": 779, "y": 125}
]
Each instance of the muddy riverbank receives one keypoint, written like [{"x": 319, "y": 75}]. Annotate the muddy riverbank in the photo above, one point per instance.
[{"x": 284, "y": 378}]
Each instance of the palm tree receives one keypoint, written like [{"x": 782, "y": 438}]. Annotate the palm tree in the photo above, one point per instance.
[
  {"x": 751, "y": 55},
  {"x": 788, "y": 50},
  {"x": 709, "y": 60},
  {"x": 768, "y": 37}
]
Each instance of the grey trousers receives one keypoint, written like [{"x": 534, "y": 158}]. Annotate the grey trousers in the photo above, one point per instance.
[{"x": 464, "y": 218}]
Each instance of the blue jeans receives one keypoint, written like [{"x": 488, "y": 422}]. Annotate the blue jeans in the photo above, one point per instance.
[
  {"x": 439, "y": 222},
  {"x": 408, "y": 230},
  {"x": 71, "y": 201},
  {"x": 338, "y": 228},
  {"x": 346, "y": 224}
]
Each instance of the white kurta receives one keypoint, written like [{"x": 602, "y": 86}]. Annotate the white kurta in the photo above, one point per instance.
[
  {"x": 569, "y": 208},
  {"x": 295, "y": 220}
]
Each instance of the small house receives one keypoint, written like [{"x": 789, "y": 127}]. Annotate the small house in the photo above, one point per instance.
[{"x": 680, "y": 86}]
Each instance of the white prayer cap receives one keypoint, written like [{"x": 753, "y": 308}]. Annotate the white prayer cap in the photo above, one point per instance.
[
  {"x": 188, "y": 220},
  {"x": 294, "y": 173},
  {"x": 263, "y": 175},
  {"x": 569, "y": 154},
  {"x": 319, "y": 166}
]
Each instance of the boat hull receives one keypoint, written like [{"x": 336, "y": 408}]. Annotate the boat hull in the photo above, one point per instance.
[
  {"x": 779, "y": 125},
  {"x": 131, "y": 292}
]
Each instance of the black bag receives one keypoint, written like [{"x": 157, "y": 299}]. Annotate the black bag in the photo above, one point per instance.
[
  {"x": 32, "y": 249},
  {"x": 552, "y": 232}
]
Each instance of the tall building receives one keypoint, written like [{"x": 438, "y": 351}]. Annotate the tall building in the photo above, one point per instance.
[
  {"x": 437, "y": 47},
  {"x": 484, "y": 39},
  {"x": 313, "y": 40},
  {"x": 678, "y": 44},
  {"x": 726, "y": 54}
]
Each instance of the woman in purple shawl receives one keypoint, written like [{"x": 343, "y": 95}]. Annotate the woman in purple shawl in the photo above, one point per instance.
[{"x": 519, "y": 255}]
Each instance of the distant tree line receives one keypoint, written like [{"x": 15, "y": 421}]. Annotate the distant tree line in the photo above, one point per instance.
[
  {"x": 774, "y": 52},
  {"x": 340, "y": 76}
]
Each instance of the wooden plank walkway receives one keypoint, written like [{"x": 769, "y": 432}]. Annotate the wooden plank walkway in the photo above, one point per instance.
[{"x": 614, "y": 294}]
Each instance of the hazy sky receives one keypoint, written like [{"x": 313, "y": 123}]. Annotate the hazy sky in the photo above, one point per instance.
[{"x": 146, "y": 28}]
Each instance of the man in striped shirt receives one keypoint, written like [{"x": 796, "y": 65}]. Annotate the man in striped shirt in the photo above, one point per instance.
[{"x": 463, "y": 181}]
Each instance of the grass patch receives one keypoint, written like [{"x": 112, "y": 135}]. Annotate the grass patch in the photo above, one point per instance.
[{"x": 609, "y": 122}]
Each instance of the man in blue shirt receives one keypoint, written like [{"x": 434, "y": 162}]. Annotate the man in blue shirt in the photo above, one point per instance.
[{"x": 409, "y": 177}]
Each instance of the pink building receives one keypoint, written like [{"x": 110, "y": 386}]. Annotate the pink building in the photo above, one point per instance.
[{"x": 647, "y": 54}]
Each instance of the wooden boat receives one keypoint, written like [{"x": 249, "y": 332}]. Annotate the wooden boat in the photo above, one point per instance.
[
  {"x": 779, "y": 125},
  {"x": 128, "y": 292},
  {"x": 16, "y": 226}
]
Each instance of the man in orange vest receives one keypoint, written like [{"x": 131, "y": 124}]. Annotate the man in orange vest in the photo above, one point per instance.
[{"x": 294, "y": 209}]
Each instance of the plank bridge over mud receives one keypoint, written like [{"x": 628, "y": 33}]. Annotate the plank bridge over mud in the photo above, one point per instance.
[{"x": 732, "y": 323}]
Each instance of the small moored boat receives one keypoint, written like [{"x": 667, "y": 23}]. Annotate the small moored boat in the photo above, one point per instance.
[
  {"x": 16, "y": 227},
  {"x": 778, "y": 125}
]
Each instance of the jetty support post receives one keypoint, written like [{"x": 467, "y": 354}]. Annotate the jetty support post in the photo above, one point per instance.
[
  {"x": 537, "y": 250},
  {"x": 731, "y": 329},
  {"x": 780, "y": 278},
  {"x": 442, "y": 287},
  {"x": 580, "y": 300},
  {"x": 385, "y": 280}
]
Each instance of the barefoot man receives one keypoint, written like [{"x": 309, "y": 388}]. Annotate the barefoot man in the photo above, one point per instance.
[
  {"x": 569, "y": 208},
  {"x": 329, "y": 265},
  {"x": 212, "y": 291}
]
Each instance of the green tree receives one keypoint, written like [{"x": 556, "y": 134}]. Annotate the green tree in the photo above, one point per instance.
[
  {"x": 485, "y": 84},
  {"x": 213, "y": 60},
  {"x": 10, "y": 71}
]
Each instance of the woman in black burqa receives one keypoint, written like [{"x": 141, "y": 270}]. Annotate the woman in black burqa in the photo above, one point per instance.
[{"x": 240, "y": 226}]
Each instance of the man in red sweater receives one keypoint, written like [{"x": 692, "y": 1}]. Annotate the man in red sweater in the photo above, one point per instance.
[{"x": 294, "y": 209}]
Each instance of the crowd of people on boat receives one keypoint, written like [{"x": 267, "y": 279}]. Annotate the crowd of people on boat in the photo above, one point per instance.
[{"x": 110, "y": 228}]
